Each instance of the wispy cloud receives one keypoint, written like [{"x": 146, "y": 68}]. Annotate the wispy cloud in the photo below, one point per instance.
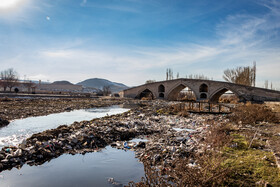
[
  {"x": 239, "y": 40},
  {"x": 83, "y": 3},
  {"x": 249, "y": 29},
  {"x": 247, "y": 38}
]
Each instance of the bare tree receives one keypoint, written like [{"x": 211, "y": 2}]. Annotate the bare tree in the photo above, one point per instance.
[
  {"x": 169, "y": 74},
  {"x": 3, "y": 82},
  {"x": 229, "y": 75},
  {"x": 254, "y": 73},
  {"x": 266, "y": 84},
  {"x": 241, "y": 75},
  {"x": 106, "y": 90},
  {"x": 9, "y": 78}
]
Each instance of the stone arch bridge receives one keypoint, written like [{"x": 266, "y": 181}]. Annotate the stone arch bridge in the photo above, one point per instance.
[{"x": 203, "y": 90}]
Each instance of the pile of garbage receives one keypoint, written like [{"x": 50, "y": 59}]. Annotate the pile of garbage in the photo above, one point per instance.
[
  {"x": 80, "y": 137},
  {"x": 178, "y": 137},
  {"x": 166, "y": 137}
]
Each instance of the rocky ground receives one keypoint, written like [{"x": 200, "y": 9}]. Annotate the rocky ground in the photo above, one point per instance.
[
  {"x": 175, "y": 138},
  {"x": 88, "y": 136},
  {"x": 22, "y": 108}
]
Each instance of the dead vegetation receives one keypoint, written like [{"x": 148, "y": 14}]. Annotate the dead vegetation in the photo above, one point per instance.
[
  {"x": 178, "y": 109},
  {"x": 233, "y": 99},
  {"x": 253, "y": 114},
  {"x": 227, "y": 160},
  {"x": 198, "y": 169},
  {"x": 236, "y": 153},
  {"x": 206, "y": 172}
]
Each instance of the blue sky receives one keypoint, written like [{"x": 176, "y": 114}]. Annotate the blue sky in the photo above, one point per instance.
[{"x": 131, "y": 41}]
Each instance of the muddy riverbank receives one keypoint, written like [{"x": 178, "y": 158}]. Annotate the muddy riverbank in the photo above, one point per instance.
[
  {"x": 21, "y": 129},
  {"x": 12, "y": 108}
]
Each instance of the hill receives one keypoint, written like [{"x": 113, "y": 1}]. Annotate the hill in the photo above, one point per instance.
[
  {"x": 62, "y": 83},
  {"x": 100, "y": 83}
]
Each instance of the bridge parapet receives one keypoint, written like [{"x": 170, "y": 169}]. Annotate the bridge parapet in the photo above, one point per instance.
[{"x": 202, "y": 89}]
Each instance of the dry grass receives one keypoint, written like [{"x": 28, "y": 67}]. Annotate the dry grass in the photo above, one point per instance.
[
  {"x": 227, "y": 160},
  {"x": 178, "y": 109},
  {"x": 253, "y": 114},
  {"x": 206, "y": 172},
  {"x": 149, "y": 98},
  {"x": 197, "y": 169},
  {"x": 228, "y": 99},
  {"x": 275, "y": 107}
]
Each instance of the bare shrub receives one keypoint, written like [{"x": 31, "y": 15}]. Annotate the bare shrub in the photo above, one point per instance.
[
  {"x": 146, "y": 98},
  {"x": 219, "y": 135},
  {"x": 186, "y": 96},
  {"x": 207, "y": 171},
  {"x": 178, "y": 109},
  {"x": 253, "y": 113},
  {"x": 5, "y": 99},
  {"x": 229, "y": 99}
]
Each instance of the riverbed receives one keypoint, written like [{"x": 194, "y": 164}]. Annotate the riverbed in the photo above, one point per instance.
[
  {"x": 20, "y": 129},
  {"x": 107, "y": 167}
]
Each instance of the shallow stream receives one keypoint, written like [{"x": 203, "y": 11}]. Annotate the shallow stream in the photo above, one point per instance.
[
  {"x": 91, "y": 169},
  {"x": 21, "y": 129},
  {"x": 109, "y": 167}
]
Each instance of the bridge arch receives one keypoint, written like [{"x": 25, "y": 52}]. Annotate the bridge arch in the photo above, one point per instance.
[
  {"x": 161, "y": 95},
  {"x": 203, "y": 87},
  {"x": 174, "y": 91},
  {"x": 219, "y": 92},
  {"x": 161, "y": 88},
  {"x": 145, "y": 93},
  {"x": 203, "y": 96}
]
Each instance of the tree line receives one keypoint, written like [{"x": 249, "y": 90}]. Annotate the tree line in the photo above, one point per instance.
[{"x": 9, "y": 78}]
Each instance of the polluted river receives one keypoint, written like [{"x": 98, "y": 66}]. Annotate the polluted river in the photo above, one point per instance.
[
  {"x": 21, "y": 129},
  {"x": 97, "y": 148},
  {"x": 106, "y": 167}
]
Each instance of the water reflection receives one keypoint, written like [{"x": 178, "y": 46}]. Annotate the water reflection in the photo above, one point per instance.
[
  {"x": 21, "y": 129},
  {"x": 91, "y": 169}
]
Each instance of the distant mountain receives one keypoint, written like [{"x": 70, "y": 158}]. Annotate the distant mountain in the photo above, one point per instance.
[
  {"x": 62, "y": 83},
  {"x": 100, "y": 83}
]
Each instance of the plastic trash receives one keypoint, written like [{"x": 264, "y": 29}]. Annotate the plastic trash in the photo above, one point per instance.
[{"x": 126, "y": 145}]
